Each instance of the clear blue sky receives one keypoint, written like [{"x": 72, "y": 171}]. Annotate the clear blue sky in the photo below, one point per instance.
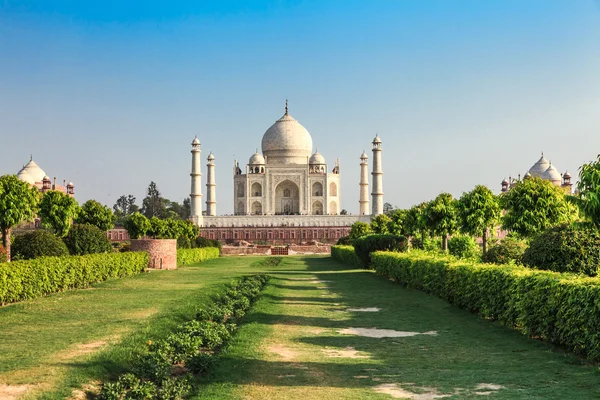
[{"x": 110, "y": 94}]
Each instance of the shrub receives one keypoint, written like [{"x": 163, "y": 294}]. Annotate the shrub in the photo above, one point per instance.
[
  {"x": 509, "y": 250},
  {"x": 365, "y": 245},
  {"x": 559, "y": 308},
  {"x": 200, "y": 363},
  {"x": 183, "y": 242},
  {"x": 344, "y": 241},
  {"x": 29, "y": 279},
  {"x": 347, "y": 255},
  {"x": 463, "y": 247},
  {"x": 38, "y": 243},
  {"x": 192, "y": 256},
  {"x": 201, "y": 242},
  {"x": 565, "y": 248},
  {"x": 87, "y": 239}
]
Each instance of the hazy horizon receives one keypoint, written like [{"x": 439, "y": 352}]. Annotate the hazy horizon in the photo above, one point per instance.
[{"x": 110, "y": 95}]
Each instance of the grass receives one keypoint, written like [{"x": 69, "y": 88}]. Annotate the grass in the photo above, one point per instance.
[
  {"x": 280, "y": 351},
  {"x": 68, "y": 340}
]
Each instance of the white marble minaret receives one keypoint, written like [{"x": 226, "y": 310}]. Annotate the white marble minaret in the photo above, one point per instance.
[
  {"x": 377, "y": 173},
  {"x": 364, "y": 184},
  {"x": 211, "y": 187},
  {"x": 196, "y": 193}
]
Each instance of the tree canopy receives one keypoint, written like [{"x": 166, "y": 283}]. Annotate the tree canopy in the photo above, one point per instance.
[
  {"x": 478, "y": 211},
  {"x": 18, "y": 202},
  {"x": 396, "y": 225},
  {"x": 359, "y": 229},
  {"x": 57, "y": 211},
  {"x": 94, "y": 213},
  {"x": 379, "y": 223},
  {"x": 154, "y": 204},
  {"x": 534, "y": 205},
  {"x": 137, "y": 225},
  {"x": 589, "y": 191},
  {"x": 124, "y": 207},
  {"x": 440, "y": 217}
]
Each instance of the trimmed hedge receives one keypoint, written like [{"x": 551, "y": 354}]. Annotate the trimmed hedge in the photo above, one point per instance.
[
  {"x": 24, "y": 280},
  {"x": 347, "y": 255},
  {"x": 86, "y": 239},
  {"x": 365, "y": 245},
  {"x": 36, "y": 244},
  {"x": 563, "y": 309},
  {"x": 192, "y": 256}
]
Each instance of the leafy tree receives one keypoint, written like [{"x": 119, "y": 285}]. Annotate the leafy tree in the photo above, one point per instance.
[
  {"x": 176, "y": 210},
  {"x": 534, "y": 205},
  {"x": 158, "y": 228},
  {"x": 38, "y": 243},
  {"x": 388, "y": 208},
  {"x": 18, "y": 202},
  {"x": 359, "y": 229},
  {"x": 589, "y": 191},
  {"x": 414, "y": 221},
  {"x": 87, "y": 239},
  {"x": 154, "y": 204},
  {"x": 137, "y": 225},
  {"x": 124, "y": 207},
  {"x": 57, "y": 211},
  {"x": 440, "y": 217},
  {"x": 478, "y": 211},
  {"x": 344, "y": 212},
  {"x": 187, "y": 206},
  {"x": 94, "y": 213},
  {"x": 396, "y": 226},
  {"x": 379, "y": 224}
]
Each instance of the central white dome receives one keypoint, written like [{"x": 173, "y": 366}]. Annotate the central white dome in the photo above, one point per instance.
[{"x": 286, "y": 141}]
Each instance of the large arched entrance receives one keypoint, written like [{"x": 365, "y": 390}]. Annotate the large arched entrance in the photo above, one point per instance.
[{"x": 287, "y": 198}]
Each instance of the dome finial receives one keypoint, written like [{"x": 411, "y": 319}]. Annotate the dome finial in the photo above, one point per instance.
[
  {"x": 286, "y": 106},
  {"x": 31, "y": 157}
]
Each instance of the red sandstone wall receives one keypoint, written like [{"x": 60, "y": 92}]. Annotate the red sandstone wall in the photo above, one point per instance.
[
  {"x": 266, "y": 250},
  {"x": 162, "y": 252}
]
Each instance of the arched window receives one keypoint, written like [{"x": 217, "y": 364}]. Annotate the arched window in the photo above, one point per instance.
[
  {"x": 333, "y": 208},
  {"x": 257, "y": 208},
  {"x": 333, "y": 189},
  {"x": 317, "y": 189},
  {"x": 287, "y": 193},
  {"x": 240, "y": 190},
  {"x": 317, "y": 208},
  {"x": 240, "y": 208},
  {"x": 256, "y": 189}
]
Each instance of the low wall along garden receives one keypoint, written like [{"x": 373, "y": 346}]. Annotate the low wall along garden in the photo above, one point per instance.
[{"x": 563, "y": 309}]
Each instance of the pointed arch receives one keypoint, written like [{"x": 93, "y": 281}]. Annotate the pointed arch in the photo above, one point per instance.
[{"x": 332, "y": 189}]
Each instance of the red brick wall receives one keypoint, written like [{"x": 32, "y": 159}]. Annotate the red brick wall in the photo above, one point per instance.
[
  {"x": 266, "y": 250},
  {"x": 277, "y": 235},
  {"x": 162, "y": 252}
]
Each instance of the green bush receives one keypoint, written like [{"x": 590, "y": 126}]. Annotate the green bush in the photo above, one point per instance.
[
  {"x": 565, "y": 248},
  {"x": 3, "y": 254},
  {"x": 509, "y": 250},
  {"x": 87, "y": 239},
  {"x": 192, "y": 256},
  {"x": 559, "y": 308},
  {"x": 38, "y": 243},
  {"x": 347, "y": 255},
  {"x": 201, "y": 242},
  {"x": 29, "y": 279},
  {"x": 344, "y": 241},
  {"x": 463, "y": 247},
  {"x": 184, "y": 242},
  {"x": 365, "y": 245}
]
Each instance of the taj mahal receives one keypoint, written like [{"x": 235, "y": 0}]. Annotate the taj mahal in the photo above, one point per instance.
[{"x": 285, "y": 185}]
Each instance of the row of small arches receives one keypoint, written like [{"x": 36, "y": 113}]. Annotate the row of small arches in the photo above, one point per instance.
[{"x": 257, "y": 209}]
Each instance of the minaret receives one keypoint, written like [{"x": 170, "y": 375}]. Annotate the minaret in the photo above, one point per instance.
[
  {"x": 211, "y": 187},
  {"x": 196, "y": 194},
  {"x": 364, "y": 184},
  {"x": 377, "y": 173}
]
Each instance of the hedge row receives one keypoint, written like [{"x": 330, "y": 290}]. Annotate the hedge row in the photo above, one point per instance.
[
  {"x": 192, "y": 256},
  {"x": 347, "y": 255},
  {"x": 29, "y": 279},
  {"x": 165, "y": 371},
  {"x": 563, "y": 309}
]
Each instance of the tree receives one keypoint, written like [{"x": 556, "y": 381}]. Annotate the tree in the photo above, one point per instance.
[
  {"x": 396, "y": 226},
  {"x": 137, "y": 225},
  {"x": 388, "y": 208},
  {"x": 478, "y": 211},
  {"x": 158, "y": 228},
  {"x": 534, "y": 205},
  {"x": 94, "y": 213},
  {"x": 18, "y": 202},
  {"x": 359, "y": 229},
  {"x": 379, "y": 224},
  {"x": 176, "y": 210},
  {"x": 124, "y": 207},
  {"x": 57, "y": 211},
  {"x": 154, "y": 204},
  {"x": 344, "y": 212},
  {"x": 414, "y": 221},
  {"x": 440, "y": 217},
  {"x": 589, "y": 191}
]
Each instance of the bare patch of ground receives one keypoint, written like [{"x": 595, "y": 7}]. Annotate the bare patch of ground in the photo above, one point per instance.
[
  {"x": 282, "y": 351},
  {"x": 13, "y": 392},
  {"x": 365, "y": 309},
  {"x": 489, "y": 386},
  {"x": 315, "y": 331},
  {"x": 319, "y": 281},
  {"x": 347, "y": 352},
  {"x": 381, "y": 333},
  {"x": 397, "y": 392},
  {"x": 322, "y": 287},
  {"x": 84, "y": 393},
  {"x": 301, "y": 279}
]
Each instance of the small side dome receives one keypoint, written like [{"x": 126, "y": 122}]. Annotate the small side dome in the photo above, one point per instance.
[
  {"x": 70, "y": 184},
  {"x": 256, "y": 159},
  {"x": 196, "y": 141},
  {"x": 567, "y": 175},
  {"x": 46, "y": 179},
  {"x": 25, "y": 177},
  {"x": 316, "y": 159},
  {"x": 364, "y": 156},
  {"x": 377, "y": 139},
  {"x": 504, "y": 182},
  {"x": 211, "y": 157},
  {"x": 527, "y": 175}
]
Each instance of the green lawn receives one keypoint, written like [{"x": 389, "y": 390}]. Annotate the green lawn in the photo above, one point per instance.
[{"x": 289, "y": 346}]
